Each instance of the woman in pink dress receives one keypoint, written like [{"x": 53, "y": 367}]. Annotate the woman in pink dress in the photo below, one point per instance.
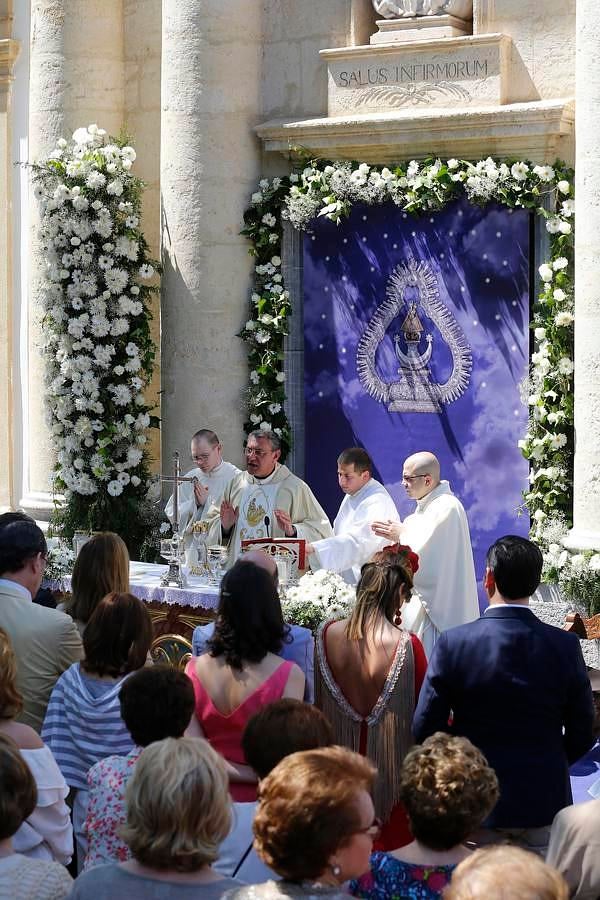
[{"x": 241, "y": 672}]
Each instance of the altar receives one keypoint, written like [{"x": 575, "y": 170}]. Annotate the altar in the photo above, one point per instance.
[{"x": 175, "y": 612}]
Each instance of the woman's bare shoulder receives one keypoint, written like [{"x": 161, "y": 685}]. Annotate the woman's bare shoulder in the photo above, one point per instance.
[{"x": 24, "y": 737}]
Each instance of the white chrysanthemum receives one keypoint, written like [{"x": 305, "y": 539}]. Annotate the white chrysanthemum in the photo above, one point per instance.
[
  {"x": 114, "y": 488},
  {"x": 262, "y": 337},
  {"x": 519, "y": 171},
  {"x": 544, "y": 173},
  {"x": 563, "y": 319},
  {"x": 146, "y": 271},
  {"x": 116, "y": 280},
  {"x": 115, "y": 187},
  {"x": 95, "y": 180},
  {"x": 280, "y": 377},
  {"x": 565, "y": 365}
]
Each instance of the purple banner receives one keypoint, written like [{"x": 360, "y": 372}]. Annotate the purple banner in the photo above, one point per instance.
[{"x": 416, "y": 338}]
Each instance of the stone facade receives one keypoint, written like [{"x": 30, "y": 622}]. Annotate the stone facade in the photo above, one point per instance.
[{"x": 213, "y": 93}]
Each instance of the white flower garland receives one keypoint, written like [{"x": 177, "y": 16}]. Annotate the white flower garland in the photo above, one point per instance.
[
  {"x": 96, "y": 338},
  {"x": 330, "y": 189}
]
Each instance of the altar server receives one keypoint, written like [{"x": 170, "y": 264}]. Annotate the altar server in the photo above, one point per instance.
[
  {"x": 265, "y": 501},
  {"x": 445, "y": 588},
  {"x": 354, "y": 542},
  {"x": 211, "y": 475}
]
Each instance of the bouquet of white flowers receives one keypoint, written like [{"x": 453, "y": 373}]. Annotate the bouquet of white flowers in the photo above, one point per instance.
[
  {"x": 318, "y": 596},
  {"x": 98, "y": 349},
  {"x": 60, "y": 564}
]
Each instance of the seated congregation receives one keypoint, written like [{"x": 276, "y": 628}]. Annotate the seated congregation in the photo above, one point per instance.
[{"x": 406, "y": 778}]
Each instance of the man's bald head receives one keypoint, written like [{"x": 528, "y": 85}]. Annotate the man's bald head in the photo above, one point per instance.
[
  {"x": 421, "y": 474},
  {"x": 262, "y": 560}
]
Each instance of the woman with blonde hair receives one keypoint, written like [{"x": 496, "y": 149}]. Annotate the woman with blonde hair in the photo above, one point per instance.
[
  {"x": 178, "y": 812},
  {"x": 101, "y": 567},
  {"x": 447, "y": 789},
  {"x": 368, "y": 676},
  {"x": 506, "y": 873},
  {"x": 47, "y": 832},
  {"x": 315, "y": 824},
  {"x": 22, "y": 878}
]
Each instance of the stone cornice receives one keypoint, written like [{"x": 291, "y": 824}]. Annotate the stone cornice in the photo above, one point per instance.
[
  {"x": 9, "y": 50},
  {"x": 536, "y": 130}
]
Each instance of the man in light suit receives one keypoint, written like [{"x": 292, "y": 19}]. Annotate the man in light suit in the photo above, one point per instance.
[
  {"x": 518, "y": 689},
  {"x": 301, "y": 647},
  {"x": 46, "y": 642}
]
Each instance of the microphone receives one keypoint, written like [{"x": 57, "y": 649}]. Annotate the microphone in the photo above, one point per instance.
[{"x": 268, "y": 526}]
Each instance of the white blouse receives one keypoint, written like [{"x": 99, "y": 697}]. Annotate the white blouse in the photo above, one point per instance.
[{"x": 47, "y": 833}]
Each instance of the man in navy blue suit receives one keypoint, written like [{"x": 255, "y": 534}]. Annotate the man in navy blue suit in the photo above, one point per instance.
[{"x": 518, "y": 689}]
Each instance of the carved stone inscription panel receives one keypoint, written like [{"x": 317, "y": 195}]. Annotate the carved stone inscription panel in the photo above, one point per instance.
[{"x": 457, "y": 72}]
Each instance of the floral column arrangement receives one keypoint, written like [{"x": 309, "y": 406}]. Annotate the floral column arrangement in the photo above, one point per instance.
[{"x": 96, "y": 325}]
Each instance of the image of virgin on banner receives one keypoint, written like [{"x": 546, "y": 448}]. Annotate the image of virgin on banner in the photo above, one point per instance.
[{"x": 416, "y": 337}]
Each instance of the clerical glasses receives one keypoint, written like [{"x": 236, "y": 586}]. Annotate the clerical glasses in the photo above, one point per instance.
[
  {"x": 253, "y": 451},
  {"x": 413, "y": 477}
]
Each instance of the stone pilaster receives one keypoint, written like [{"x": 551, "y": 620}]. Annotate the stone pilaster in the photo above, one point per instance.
[
  {"x": 76, "y": 77},
  {"x": 211, "y": 79},
  {"x": 9, "y": 50},
  {"x": 586, "y": 512}
]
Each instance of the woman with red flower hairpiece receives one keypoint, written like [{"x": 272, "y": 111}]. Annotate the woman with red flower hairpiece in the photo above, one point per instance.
[{"x": 368, "y": 676}]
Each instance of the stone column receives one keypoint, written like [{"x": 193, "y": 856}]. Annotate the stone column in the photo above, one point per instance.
[
  {"x": 8, "y": 53},
  {"x": 76, "y": 78},
  {"x": 586, "y": 511},
  {"x": 210, "y": 163}
]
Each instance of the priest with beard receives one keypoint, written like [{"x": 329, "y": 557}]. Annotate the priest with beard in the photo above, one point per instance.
[{"x": 265, "y": 501}]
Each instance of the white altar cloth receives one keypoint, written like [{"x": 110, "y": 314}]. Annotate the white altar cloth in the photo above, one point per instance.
[{"x": 144, "y": 582}]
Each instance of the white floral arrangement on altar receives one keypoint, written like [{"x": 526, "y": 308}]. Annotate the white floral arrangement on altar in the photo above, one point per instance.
[
  {"x": 329, "y": 189},
  {"x": 61, "y": 560},
  {"x": 318, "y": 596},
  {"x": 576, "y": 574},
  {"x": 96, "y": 332}
]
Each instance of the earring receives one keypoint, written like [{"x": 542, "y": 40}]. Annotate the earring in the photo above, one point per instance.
[
  {"x": 336, "y": 870},
  {"x": 398, "y": 618}
]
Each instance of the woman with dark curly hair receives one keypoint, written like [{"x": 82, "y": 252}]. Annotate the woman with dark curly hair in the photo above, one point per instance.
[
  {"x": 369, "y": 673},
  {"x": 241, "y": 672},
  {"x": 447, "y": 789}
]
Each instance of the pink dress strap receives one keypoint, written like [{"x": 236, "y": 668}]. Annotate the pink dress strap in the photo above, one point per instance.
[{"x": 224, "y": 731}]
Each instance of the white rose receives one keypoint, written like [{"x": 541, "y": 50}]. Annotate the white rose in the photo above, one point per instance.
[
  {"x": 565, "y": 365},
  {"x": 545, "y": 272},
  {"x": 564, "y": 187},
  {"x": 540, "y": 334},
  {"x": 559, "y": 294},
  {"x": 560, "y": 263}
]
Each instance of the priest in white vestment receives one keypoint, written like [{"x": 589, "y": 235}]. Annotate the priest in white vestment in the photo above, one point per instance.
[
  {"x": 265, "y": 501},
  {"x": 211, "y": 476},
  {"x": 445, "y": 587},
  {"x": 354, "y": 542}
]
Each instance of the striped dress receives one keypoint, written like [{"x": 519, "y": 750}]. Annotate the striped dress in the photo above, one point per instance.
[{"x": 83, "y": 724}]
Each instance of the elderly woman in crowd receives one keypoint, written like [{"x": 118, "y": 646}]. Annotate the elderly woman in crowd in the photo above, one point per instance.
[
  {"x": 101, "y": 567},
  {"x": 447, "y": 789},
  {"x": 315, "y": 824},
  {"x": 47, "y": 832},
  {"x": 241, "y": 672},
  {"x": 156, "y": 702},
  {"x": 506, "y": 873},
  {"x": 281, "y": 728},
  {"x": 20, "y": 876},
  {"x": 83, "y": 722},
  {"x": 178, "y": 813},
  {"x": 369, "y": 673}
]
